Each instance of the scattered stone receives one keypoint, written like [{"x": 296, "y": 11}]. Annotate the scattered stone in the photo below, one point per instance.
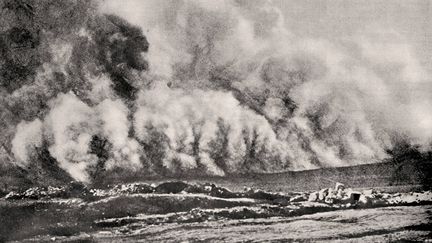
[
  {"x": 34, "y": 193},
  {"x": 329, "y": 200},
  {"x": 323, "y": 194},
  {"x": 364, "y": 200},
  {"x": 134, "y": 188},
  {"x": 339, "y": 186},
  {"x": 337, "y": 197},
  {"x": 14, "y": 196},
  {"x": 56, "y": 192},
  {"x": 313, "y": 197}
]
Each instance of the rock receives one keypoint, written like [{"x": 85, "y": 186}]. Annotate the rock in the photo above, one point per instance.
[
  {"x": 101, "y": 193},
  {"x": 37, "y": 193},
  {"x": 14, "y": 196},
  {"x": 56, "y": 192},
  {"x": 332, "y": 198},
  {"x": 323, "y": 194},
  {"x": 340, "y": 191},
  {"x": 340, "y": 194},
  {"x": 133, "y": 188},
  {"x": 329, "y": 200},
  {"x": 313, "y": 197},
  {"x": 339, "y": 186},
  {"x": 143, "y": 188},
  {"x": 364, "y": 200},
  {"x": 34, "y": 193}
]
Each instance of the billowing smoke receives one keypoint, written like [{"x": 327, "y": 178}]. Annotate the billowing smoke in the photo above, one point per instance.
[
  {"x": 71, "y": 127},
  {"x": 208, "y": 130},
  {"x": 199, "y": 87}
]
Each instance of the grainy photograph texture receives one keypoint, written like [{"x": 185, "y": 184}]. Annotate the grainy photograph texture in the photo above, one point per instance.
[{"x": 215, "y": 121}]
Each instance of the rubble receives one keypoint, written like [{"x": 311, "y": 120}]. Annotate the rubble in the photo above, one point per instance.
[
  {"x": 313, "y": 197},
  {"x": 322, "y": 194},
  {"x": 134, "y": 188},
  {"x": 339, "y": 186},
  {"x": 341, "y": 195},
  {"x": 73, "y": 189},
  {"x": 36, "y": 193},
  {"x": 14, "y": 196}
]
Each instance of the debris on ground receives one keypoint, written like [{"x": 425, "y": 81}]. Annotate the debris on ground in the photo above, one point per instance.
[{"x": 340, "y": 194}]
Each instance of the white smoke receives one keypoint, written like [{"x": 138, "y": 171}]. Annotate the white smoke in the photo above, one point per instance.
[
  {"x": 70, "y": 126},
  {"x": 231, "y": 90},
  {"x": 362, "y": 95},
  {"x": 27, "y": 138},
  {"x": 115, "y": 127},
  {"x": 188, "y": 117}
]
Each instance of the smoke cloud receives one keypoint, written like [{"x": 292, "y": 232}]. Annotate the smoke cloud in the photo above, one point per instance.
[{"x": 208, "y": 87}]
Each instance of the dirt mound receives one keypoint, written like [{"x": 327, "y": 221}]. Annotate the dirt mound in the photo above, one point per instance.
[{"x": 171, "y": 187}]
